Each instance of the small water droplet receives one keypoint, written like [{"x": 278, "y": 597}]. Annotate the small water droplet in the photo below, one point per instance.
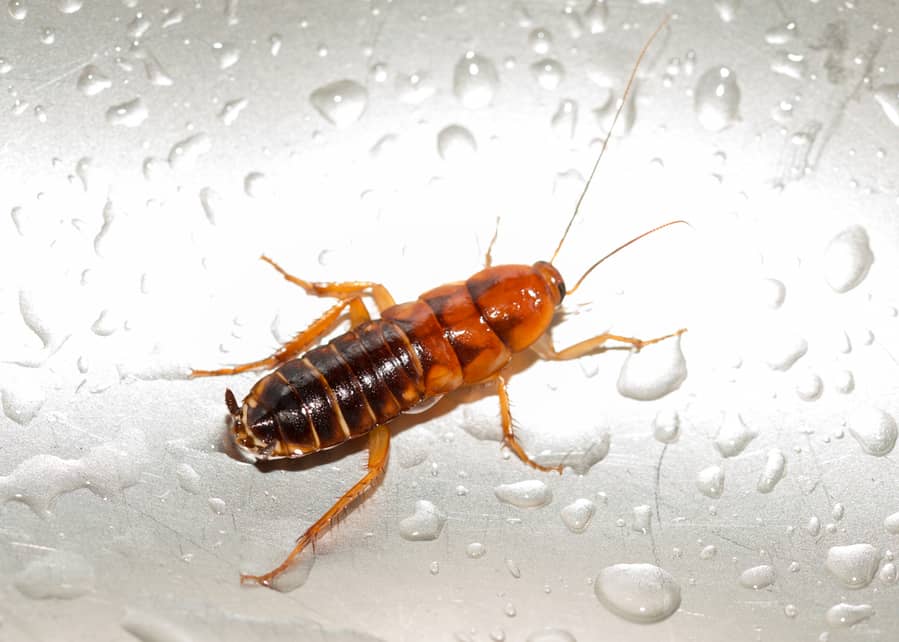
[
  {"x": 891, "y": 523},
  {"x": 341, "y": 103},
  {"x": 548, "y": 73},
  {"x": 17, "y": 9},
  {"x": 509, "y": 610},
  {"x": 847, "y": 259},
  {"x": 475, "y": 550},
  {"x": 844, "y": 382},
  {"x": 217, "y": 505},
  {"x": 61, "y": 575},
  {"x": 256, "y": 185},
  {"x": 653, "y": 372},
  {"x": 727, "y": 9},
  {"x": 424, "y": 525},
  {"x": 540, "y": 40},
  {"x": 666, "y": 426},
  {"x": 185, "y": 153},
  {"x": 231, "y": 110},
  {"x": 813, "y": 526},
  {"x": 456, "y": 143},
  {"x": 888, "y": 573},
  {"x": 513, "y": 568},
  {"x": 274, "y": 42},
  {"x": 597, "y": 16},
  {"x": 188, "y": 478},
  {"x": 734, "y": 435},
  {"x": 642, "y": 519},
  {"x": 531, "y": 493},
  {"x": 791, "y": 611},
  {"x": 710, "y": 481},
  {"x": 854, "y": 565},
  {"x": 434, "y": 568},
  {"x": 757, "y": 577},
  {"x": 773, "y": 472},
  {"x": 781, "y": 34},
  {"x": 577, "y": 514},
  {"x": 873, "y": 429},
  {"x": 642, "y": 593},
  {"x": 91, "y": 81},
  {"x": 708, "y": 552},
  {"x": 228, "y": 54},
  {"x": 69, "y": 6},
  {"x": 48, "y": 35},
  {"x": 564, "y": 121},
  {"x": 792, "y": 65},
  {"x": 172, "y": 17},
  {"x": 772, "y": 293},
  {"x": 847, "y": 615},
  {"x": 128, "y": 114},
  {"x": 887, "y": 96},
  {"x": 809, "y": 386},
  {"x": 415, "y": 88},
  {"x": 22, "y": 398},
  {"x": 551, "y": 635},
  {"x": 781, "y": 349},
  {"x": 475, "y": 80},
  {"x": 717, "y": 99}
]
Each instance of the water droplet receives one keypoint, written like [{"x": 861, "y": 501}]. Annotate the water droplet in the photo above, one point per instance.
[
  {"x": 891, "y": 523},
  {"x": 22, "y": 398},
  {"x": 847, "y": 615},
  {"x": 847, "y": 259},
  {"x": 256, "y": 185},
  {"x": 708, "y": 552},
  {"x": 509, "y": 610},
  {"x": 424, "y": 525},
  {"x": 48, "y": 35},
  {"x": 597, "y": 16},
  {"x": 782, "y": 349},
  {"x": 551, "y": 635},
  {"x": 710, "y": 481},
  {"x": 455, "y": 143},
  {"x": 138, "y": 27},
  {"x": 172, "y": 17},
  {"x": 791, "y": 611},
  {"x": 61, "y": 575},
  {"x": 414, "y": 88},
  {"x": 642, "y": 519},
  {"x": 91, "y": 81},
  {"x": 295, "y": 575},
  {"x": 757, "y": 577},
  {"x": 128, "y": 114},
  {"x": 792, "y": 65},
  {"x": 217, "y": 505},
  {"x": 475, "y": 80},
  {"x": 540, "y": 41},
  {"x": 188, "y": 478},
  {"x": 733, "y": 435},
  {"x": 773, "y": 472},
  {"x": 434, "y": 568},
  {"x": 548, "y": 73},
  {"x": 642, "y": 593},
  {"x": 653, "y": 372},
  {"x": 564, "y": 121},
  {"x": 887, "y": 96},
  {"x": 231, "y": 110},
  {"x": 727, "y": 9},
  {"x": 5, "y": 66},
  {"x": 666, "y": 426},
  {"x": 873, "y": 429},
  {"x": 844, "y": 382},
  {"x": 513, "y": 568},
  {"x": 475, "y": 550},
  {"x": 498, "y": 635},
  {"x": 531, "y": 493},
  {"x": 854, "y": 565},
  {"x": 813, "y": 526},
  {"x": 275, "y": 41},
  {"x": 781, "y": 34},
  {"x": 888, "y": 573},
  {"x": 17, "y": 9},
  {"x": 228, "y": 54},
  {"x": 341, "y": 103},
  {"x": 69, "y": 6},
  {"x": 577, "y": 514},
  {"x": 772, "y": 293},
  {"x": 185, "y": 153},
  {"x": 809, "y": 386},
  {"x": 717, "y": 99}
]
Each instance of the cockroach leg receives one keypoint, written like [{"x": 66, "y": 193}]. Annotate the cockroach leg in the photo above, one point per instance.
[
  {"x": 488, "y": 258},
  {"x": 547, "y": 351},
  {"x": 508, "y": 435},
  {"x": 300, "y": 342},
  {"x": 378, "y": 450},
  {"x": 379, "y": 293}
]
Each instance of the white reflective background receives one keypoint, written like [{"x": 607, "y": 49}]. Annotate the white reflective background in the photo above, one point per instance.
[{"x": 151, "y": 152}]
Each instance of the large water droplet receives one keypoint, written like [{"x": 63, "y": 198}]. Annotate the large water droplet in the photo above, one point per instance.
[
  {"x": 717, "y": 99},
  {"x": 341, "y": 102},
  {"x": 58, "y": 575},
  {"x": 854, "y": 565},
  {"x": 734, "y": 435},
  {"x": 847, "y": 615},
  {"x": 91, "y": 81},
  {"x": 758, "y": 577},
  {"x": 642, "y": 593},
  {"x": 425, "y": 524},
  {"x": 17, "y": 9},
  {"x": 475, "y": 80},
  {"x": 577, "y": 515},
  {"x": 128, "y": 114},
  {"x": 887, "y": 96},
  {"x": 873, "y": 429},
  {"x": 456, "y": 143},
  {"x": 773, "y": 472},
  {"x": 847, "y": 259},
  {"x": 710, "y": 481},
  {"x": 653, "y": 372},
  {"x": 531, "y": 493}
]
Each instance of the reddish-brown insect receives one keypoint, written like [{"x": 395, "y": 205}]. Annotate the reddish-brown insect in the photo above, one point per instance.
[{"x": 455, "y": 335}]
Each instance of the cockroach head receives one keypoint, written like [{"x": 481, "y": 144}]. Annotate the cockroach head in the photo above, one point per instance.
[{"x": 244, "y": 441}]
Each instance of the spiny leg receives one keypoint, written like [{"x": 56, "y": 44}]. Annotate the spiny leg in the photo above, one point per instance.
[
  {"x": 378, "y": 449},
  {"x": 300, "y": 342},
  {"x": 508, "y": 435},
  {"x": 488, "y": 258},
  {"x": 546, "y": 350},
  {"x": 382, "y": 297}
]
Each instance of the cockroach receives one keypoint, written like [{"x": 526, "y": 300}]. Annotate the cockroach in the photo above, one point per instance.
[{"x": 455, "y": 335}]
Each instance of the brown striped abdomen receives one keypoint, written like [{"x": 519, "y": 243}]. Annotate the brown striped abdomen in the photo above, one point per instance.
[{"x": 454, "y": 335}]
